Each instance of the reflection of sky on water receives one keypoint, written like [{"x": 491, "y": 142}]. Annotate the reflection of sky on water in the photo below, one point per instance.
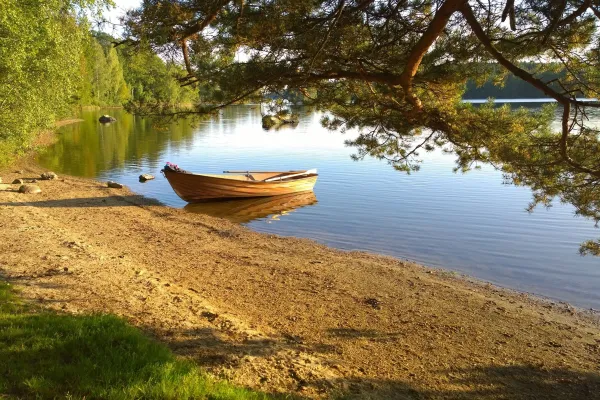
[{"x": 466, "y": 222}]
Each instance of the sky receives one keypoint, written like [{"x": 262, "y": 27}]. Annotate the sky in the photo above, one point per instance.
[{"x": 113, "y": 15}]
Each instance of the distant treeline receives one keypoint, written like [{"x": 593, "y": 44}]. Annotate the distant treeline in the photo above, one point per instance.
[
  {"x": 51, "y": 63},
  {"x": 512, "y": 87},
  {"x": 118, "y": 75}
]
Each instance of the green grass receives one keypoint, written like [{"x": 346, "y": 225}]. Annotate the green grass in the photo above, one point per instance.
[{"x": 51, "y": 355}]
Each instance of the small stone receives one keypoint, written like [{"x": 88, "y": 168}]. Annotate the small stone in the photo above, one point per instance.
[
  {"x": 373, "y": 302},
  {"x": 114, "y": 185},
  {"x": 48, "y": 176},
  {"x": 30, "y": 189},
  {"x": 19, "y": 171},
  {"x": 146, "y": 177},
  {"x": 18, "y": 181},
  {"x": 66, "y": 269},
  {"x": 209, "y": 316}
]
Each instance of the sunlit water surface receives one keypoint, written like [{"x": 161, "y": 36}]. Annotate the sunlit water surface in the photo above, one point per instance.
[{"x": 470, "y": 223}]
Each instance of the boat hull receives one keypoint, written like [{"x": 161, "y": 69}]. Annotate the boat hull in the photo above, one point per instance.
[{"x": 195, "y": 187}]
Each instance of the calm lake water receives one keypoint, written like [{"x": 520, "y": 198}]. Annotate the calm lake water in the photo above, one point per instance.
[{"x": 470, "y": 223}]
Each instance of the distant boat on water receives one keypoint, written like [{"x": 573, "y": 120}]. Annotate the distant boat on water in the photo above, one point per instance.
[{"x": 237, "y": 184}]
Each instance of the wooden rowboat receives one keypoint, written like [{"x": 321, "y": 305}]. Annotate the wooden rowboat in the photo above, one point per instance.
[
  {"x": 237, "y": 184},
  {"x": 246, "y": 210}
]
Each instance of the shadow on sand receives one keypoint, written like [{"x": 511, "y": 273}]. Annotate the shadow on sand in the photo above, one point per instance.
[
  {"x": 109, "y": 201},
  {"x": 485, "y": 382}
]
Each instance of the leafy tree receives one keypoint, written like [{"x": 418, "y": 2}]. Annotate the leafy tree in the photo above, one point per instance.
[
  {"x": 40, "y": 54},
  {"x": 396, "y": 70},
  {"x": 152, "y": 79},
  {"x": 101, "y": 77},
  {"x": 117, "y": 91}
]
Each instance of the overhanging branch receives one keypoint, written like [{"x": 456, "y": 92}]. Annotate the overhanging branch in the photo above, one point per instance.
[
  {"x": 433, "y": 31},
  {"x": 467, "y": 12}
]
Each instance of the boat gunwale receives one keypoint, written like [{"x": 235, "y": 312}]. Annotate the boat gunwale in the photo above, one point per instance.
[{"x": 293, "y": 179}]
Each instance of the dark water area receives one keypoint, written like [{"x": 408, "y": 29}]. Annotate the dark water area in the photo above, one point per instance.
[{"x": 470, "y": 223}]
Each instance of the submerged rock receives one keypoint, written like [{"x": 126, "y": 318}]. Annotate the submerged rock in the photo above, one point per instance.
[
  {"x": 114, "y": 185},
  {"x": 18, "y": 181},
  {"x": 288, "y": 118},
  {"x": 0, "y": 180},
  {"x": 106, "y": 119},
  {"x": 48, "y": 176},
  {"x": 146, "y": 177},
  {"x": 30, "y": 189},
  {"x": 4, "y": 186},
  {"x": 270, "y": 121}
]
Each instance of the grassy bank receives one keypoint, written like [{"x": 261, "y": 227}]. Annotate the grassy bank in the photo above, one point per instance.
[{"x": 49, "y": 355}]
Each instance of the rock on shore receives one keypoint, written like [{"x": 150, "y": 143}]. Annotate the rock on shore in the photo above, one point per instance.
[
  {"x": 114, "y": 185},
  {"x": 29, "y": 189},
  {"x": 48, "y": 176}
]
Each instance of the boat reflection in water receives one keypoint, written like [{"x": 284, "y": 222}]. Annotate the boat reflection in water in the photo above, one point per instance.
[{"x": 246, "y": 210}]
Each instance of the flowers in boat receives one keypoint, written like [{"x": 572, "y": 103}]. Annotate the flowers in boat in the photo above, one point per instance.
[{"x": 172, "y": 167}]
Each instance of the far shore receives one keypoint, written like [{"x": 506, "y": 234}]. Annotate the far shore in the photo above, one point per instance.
[
  {"x": 65, "y": 122},
  {"x": 283, "y": 314},
  {"x": 86, "y": 108}
]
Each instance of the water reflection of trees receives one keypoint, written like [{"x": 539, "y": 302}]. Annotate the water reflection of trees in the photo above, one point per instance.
[{"x": 89, "y": 148}]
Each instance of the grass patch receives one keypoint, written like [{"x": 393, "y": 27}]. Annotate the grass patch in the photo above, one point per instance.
[{"x": 51, "y": 355}]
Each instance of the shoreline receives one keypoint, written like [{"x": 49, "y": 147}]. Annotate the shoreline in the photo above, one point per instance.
[{"x": 284, "y": 314}]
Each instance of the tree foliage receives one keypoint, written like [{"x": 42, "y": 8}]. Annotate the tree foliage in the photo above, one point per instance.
[
  {"x": 396, "y": 70},
  {"x": 152, "y": 80},
  {"x": 40, "y": 48},
  {"x": 51, "y": 62},
  {"x": 101, "y": 80}
]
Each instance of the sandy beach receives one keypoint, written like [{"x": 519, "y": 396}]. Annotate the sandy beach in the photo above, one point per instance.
[{"x": 284, "y": 314}]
